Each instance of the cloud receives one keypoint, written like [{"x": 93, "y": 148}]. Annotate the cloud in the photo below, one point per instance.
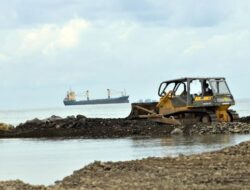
[
  {"x": 167, "y": 13},
  {"x": 50, "y": 38},
  {"x": 49, "y": 46},
  {"x": 42, "y": 40}
]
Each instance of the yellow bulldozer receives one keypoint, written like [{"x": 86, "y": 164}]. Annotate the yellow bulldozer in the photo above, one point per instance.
[{"x": 189, "y": 100}]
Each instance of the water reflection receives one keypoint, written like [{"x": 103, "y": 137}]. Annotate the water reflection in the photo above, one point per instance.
[
  {"x": 173, "y": 146},
  {"x": 182, "y": 140}
]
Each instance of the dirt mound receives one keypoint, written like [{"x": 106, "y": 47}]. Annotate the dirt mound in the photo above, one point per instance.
[
  {"x": 225, "y": 169},
  {"x": 19, "y": 185},
  {"x": 81, "y": 126},
  {"x": 245, "y": 119},
  {"x": 218, "y": 128}
]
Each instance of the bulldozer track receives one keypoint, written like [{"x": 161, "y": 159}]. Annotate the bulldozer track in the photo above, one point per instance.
[
  {"x": 213, "y": 117},
  {"x": 197, "y": 116},
  {"x": 234, "y": 115}
]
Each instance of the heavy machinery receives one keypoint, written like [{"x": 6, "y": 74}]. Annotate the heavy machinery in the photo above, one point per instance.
[{"x": 189, "y": 100}]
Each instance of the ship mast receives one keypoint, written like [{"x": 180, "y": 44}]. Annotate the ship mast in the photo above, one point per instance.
[
  {"x": 87, "y": 94},
  {"x": 108, "y": 93}
]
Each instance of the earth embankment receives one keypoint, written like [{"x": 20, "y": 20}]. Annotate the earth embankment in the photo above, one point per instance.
[{"x": 80, "y": 126}]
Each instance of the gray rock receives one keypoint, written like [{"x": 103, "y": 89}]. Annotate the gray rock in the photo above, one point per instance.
[
  {"x": 35, "y": 121},
  {"x": 177, "y": 131},
  {"x": 81, "y": 117},
  {"x": 52, "y": 119},
  {"x": 71, "y": 117},
  {"x": 81, "y": 122}
]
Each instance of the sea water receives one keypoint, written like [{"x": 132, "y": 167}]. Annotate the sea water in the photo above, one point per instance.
[
  {"x": 15, "y": 117},
  {"x": 43, "y": 161}
]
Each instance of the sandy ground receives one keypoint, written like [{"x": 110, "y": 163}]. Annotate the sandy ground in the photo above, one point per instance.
[{"x": 225, "y": 169}]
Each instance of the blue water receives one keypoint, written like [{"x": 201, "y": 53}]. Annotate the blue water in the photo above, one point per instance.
[{"x": 43, "y": 161}]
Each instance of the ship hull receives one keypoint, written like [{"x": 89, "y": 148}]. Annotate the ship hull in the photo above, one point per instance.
[{"x": 123, "y": 99}]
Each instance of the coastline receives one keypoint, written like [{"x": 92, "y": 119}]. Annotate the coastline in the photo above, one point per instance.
[{"x": 228, "y": 168}]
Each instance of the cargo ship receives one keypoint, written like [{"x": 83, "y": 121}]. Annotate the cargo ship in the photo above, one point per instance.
[{"x": 70, "y": 99}]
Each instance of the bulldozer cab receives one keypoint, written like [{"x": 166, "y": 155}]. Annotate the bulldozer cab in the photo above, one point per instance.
[
  {"x": 195, "y": 92},
  {"x": 176, "y": 91}
]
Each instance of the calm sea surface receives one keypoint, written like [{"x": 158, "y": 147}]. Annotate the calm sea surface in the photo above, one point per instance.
[{"x": 43, "y": 161}]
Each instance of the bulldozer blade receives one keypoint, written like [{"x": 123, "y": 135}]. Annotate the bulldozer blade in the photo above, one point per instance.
[
  {"x": 160, "y": 119},
  {"x": 142, "y": 109},
  {"x": 165, "y": 120},
  {"x": 147, "y": 111}
]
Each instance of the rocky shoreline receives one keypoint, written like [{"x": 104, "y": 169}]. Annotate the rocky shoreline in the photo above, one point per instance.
[
  {"x": 228, "y": 168},
  {"x": 225, "y": 169},
  {"x": 83, "y": 127}
]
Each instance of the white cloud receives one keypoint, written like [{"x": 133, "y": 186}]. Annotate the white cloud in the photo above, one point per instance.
[
  {"x": 50, "y": 38},
  {"x": 69, "y": 34},
  {"x": 123, "y": 45}
]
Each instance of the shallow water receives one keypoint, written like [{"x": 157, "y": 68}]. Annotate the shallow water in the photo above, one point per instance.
[{"x": 43, "y": 161}]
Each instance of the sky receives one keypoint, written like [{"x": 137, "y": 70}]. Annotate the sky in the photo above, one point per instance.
[{"x": 48, "y": 47}]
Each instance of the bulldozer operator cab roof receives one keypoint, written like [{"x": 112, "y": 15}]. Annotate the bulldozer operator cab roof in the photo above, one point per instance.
[{"x": 195, "y": 86}]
